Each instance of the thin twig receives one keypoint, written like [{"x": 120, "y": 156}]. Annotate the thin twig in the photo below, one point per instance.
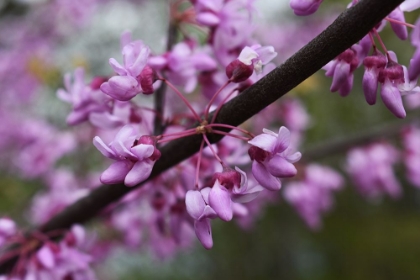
[
  {"x": 159, "y": 95},
  {"x": 343, "y": 144}
]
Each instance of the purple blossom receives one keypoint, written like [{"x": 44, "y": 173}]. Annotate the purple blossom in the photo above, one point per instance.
[
  {"x": 371, "y": 170},
  {"x": 272, "y": 158},
  {"x": 250, "y": 59},
  {"x": 399, "y": 29},
  {"x": 132, "y": 73},
  {"x": 182, "y": 64},
  {"x": 134, "y": 157},
  {"x": 391, "y": 77},
  {"x": 341, "y": 70},
  {"x": 312, "y": 197},
  {"x": 197, "y": 203},
  {"x": 85, "y": 99}
]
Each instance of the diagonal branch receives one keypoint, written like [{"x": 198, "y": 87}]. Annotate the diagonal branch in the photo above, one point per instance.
[
  {"x": 346, "y": 30},
  {"x": 344, "y": 143}
]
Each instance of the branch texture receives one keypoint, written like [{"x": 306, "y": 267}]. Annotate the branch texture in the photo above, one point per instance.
[{"x": 347, "y": 29}]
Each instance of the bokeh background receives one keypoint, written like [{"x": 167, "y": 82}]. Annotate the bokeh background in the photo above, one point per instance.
[{"x": 360, "y": 239}]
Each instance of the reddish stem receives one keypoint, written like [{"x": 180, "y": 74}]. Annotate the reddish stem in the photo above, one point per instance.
[
  {"x": 230, "y": 134},
  {"x": 183, "y": 98},
  {"x": 231, "y": 127},
  {"x": 197, "y": 170},
  {"x": 221, "y": 104},
  {"x": 381, "y": 42},
  {"x": 213, "y": 151},
  {"x": 399, "y": 22},
  {"x": 206, "y": 112}
]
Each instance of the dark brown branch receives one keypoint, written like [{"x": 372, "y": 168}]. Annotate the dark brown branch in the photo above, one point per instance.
[
  {"x": 343, "y": 144},
  {"x": 346, "y": 30},
  {"x": 159, "y": 95}
]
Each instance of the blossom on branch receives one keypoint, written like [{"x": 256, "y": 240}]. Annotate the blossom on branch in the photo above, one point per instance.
[
  {"x": 134, "y": 157},
  {"x": 272, "y": 158}
]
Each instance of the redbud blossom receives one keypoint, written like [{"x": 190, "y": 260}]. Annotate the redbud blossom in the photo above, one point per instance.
[
  {"x": 128, "y": 84},
  {"x": 250, "y": 59},
  {"x": 134, "y": 158},
  {"x": 272, "y": 158}
]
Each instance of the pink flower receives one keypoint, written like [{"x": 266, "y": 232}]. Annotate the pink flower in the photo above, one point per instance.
[
  {"x": 197, "y": 203},
  {"x": 250, "y": 59},
  {"x": 133, "y": 74},
  {"x": 372, "y": 172},
  {"x": 84, "y": 98},
  {"x": 134, "y": 158},
  {"x": 182, "y": 64},
  {"x": 341, "y": 70},
  {"x": 312, "y": 197},
  {"x": 272, "y": 158}
]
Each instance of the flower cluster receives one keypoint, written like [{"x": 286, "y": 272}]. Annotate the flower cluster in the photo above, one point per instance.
[{"x": 378, "y": 159}]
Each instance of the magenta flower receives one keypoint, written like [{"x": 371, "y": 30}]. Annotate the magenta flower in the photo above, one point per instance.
[
  {"x": 399, "y": 29},
  {"x": 373, "y": 64},
  {"x": 341, "y": 70},
  {"x": 197, "y": 203},
  {"x": 183, "y": 63},
  {"x": 250, "y": 59},
  {"x": 392, "y": 77},
  {"x": 132, "y": 74},
  {"x": 84, "y": 98},
  {"x": 134, "y": 158},
  {"x": 371, "y": 169},
  {"x": 312, "y": 197},
  {"x": 272, "y": 158}
]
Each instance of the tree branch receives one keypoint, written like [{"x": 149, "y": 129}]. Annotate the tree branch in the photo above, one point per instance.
[
  {"x": 347, "y": 29},
  {"x": 159, "y": 95},
  {"x": 343, "y": 144}
]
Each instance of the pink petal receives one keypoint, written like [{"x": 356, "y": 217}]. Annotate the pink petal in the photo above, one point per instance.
[
  {"x": 103, "y": 148},
  {"x": 208, "y": 19},
  {"x": 219, "y": 200},
  {"x": 341, "y": 73},
  {"x": 46, "y": 257},
  {"x": 264, "y": 141},
  {"x": 283, "y": 140},
  {"x": 264, "y": 178},
  {"x": 399, "y": 29},
  {"x": 140, "y": 172},
  {"x": 203, "y": 231},
  {"x": 280, "y": 167},
  {"x": 143, "y": 151},
  {"x": 370, "y": 85},
  {"x": 116, "y": 172},
  {"x": 122, "y": 88},
  {"x": 117, "y": 67},
  {"x": 266, "y": 54},
  {"x": 391, "y": 97},
  {"x": 195, "y": 204}
]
